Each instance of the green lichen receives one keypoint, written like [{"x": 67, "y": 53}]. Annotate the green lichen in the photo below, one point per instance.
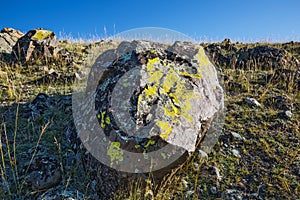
[
  {"x": 115, "y": 153},
  {"x": 150, "y": 142}
]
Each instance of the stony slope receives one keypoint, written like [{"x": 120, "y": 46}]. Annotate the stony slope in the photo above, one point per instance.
[{"x": 256, "y": 157}]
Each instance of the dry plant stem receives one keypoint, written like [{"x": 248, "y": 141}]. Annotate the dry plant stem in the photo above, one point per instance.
[
  {"x": 14, "y": 146},
  {"x": 3, "y": 170},
  {"x": 35, "y": 151}
]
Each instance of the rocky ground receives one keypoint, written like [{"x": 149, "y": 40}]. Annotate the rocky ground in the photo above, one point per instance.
[{"x": 256, "y": 156}]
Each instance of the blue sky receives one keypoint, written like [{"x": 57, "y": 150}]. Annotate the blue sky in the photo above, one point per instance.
[{"x": 210, "y": 20}]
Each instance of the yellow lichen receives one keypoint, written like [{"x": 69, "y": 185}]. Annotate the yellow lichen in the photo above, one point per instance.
[
  {"x": 151, "y": 62},
  {"x": 202, "y": 57},
  {"x": 153, "y": 51},
  {"x": 165, "y": 127},
  {"x": 107, "y": 120},
  {"x": 155, "y": 76},
  {"x": 170, "y": 79},
  {"x": 150, "y": 142},
  {"x": 115, "y": 153},
  {"x": 104, "y": 120},
  {"x": 41, "y": 34},
  {"x": 179, "y": 96},
  {"x": 151, "y": 91},
  {"x": 171, "y": 111}
]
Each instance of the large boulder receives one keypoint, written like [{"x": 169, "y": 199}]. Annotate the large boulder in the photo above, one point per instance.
[
  {"x": 37, "y": 43},
  {"x": 8, "y": 38},
  {"x": 145, "y": 105}
]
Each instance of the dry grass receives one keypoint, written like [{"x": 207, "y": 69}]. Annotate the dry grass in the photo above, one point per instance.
[{"x": 269, "y": 155}]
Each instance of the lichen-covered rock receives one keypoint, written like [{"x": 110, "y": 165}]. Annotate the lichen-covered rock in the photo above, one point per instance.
[
  {"x": 37, "y": 43},
  {"x": 144, "y": 96}
]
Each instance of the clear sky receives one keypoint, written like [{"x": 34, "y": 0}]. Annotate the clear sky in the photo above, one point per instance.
[{"x": 209, "y": 20}]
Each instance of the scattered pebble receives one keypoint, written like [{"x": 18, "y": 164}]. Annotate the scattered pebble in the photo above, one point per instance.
[
  {"x": 202, "y": 154},
  {"x": 252, "y": 102},
  {"x": 189, "y": 193},
  {"x": 236, "y": 153},
  {"x": 217, "y": 171},
  {"x": 213, "y": 190},
  {"x": 286, "y": 114},
  {"x": 185, "y": 183},
  {"x": 255, "y": 195},
  {"x": 237, "y": 136},
  {"x": 196, "y": 165},
  {"x": 232, "y": 194}
]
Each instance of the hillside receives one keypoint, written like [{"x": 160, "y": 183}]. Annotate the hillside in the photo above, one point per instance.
[{"x": 256, "y": 156}]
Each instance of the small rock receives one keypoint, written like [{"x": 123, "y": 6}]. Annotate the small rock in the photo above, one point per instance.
[
  {"x": 286, "y": 114},
  {"x": 39, "y": 105},
  {"x": 41, "y": 101},
  {"x": 68, "y": 193},
  {"x": 202, "y": 154},
  {"x": 44, "y": 172},
  {"x": 196, "y": 165},
  {"x": 255, "y": 195},
  {"x": 232, "y": 194},
  {"x": 237, "y": 136},
  {"x": 252, "y": 102},
  {"x": 189, "y": 194},
  {"x": 217, "y": 171},
  {"x": 236, "y": 153},
  {"x": 185, "y": 183},
  {"x": 213, "y": 190}
]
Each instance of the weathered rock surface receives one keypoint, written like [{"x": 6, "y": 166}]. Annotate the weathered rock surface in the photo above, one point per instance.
[
  {"x": 37, "y": 43},
  {"x": 44, "y": 172},
  {"x": 8, "y": 38},
  {"x": 146, "y": 96},
  {"x": 59, "y": 193}
]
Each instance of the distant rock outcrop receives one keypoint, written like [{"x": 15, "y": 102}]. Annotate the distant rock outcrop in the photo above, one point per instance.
[
  {"x": 262, "y": 57},
  {"x": 8, "y": 38},
  {"x": 284, "y": 67},
  {"x": 36, "y": 43}
]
